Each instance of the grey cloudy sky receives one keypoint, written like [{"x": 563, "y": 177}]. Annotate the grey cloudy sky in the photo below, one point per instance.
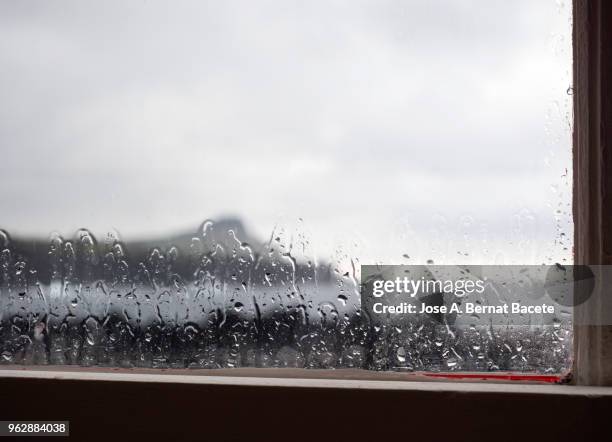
[{"x": 430, "y": 128}]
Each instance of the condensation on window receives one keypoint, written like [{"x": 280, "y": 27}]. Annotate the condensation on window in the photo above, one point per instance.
[
  {"x": 213, "y": 300},
  {"x": 315, "y": 137}
]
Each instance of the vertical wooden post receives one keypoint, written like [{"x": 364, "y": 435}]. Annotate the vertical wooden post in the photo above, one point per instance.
[{"x": 592, "y": 139}]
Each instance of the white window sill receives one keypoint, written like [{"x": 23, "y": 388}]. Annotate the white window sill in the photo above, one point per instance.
[{"x": 296, "y": 378}]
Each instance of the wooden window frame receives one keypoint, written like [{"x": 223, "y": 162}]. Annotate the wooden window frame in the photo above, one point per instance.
[{"x": 592, "y": 164}]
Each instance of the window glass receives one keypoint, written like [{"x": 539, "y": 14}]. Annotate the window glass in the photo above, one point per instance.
[{"x": 196, "y": 184}]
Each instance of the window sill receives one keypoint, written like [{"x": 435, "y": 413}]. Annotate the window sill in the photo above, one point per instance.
[
  {"x": 301, "y": 405},
  {"x": 296, "y": 378}
]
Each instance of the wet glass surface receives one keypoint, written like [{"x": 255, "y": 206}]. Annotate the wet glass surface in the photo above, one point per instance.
[{"x": 318, "y": 137}]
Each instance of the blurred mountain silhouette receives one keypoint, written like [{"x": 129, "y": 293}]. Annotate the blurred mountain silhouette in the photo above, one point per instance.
[{"x": 225, "y": 242}]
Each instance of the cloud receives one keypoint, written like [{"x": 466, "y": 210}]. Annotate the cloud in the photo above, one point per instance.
[{"x": 150, "y": 116}]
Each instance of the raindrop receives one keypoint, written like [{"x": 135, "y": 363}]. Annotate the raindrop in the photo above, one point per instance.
[{"x": 401, "y": 354}]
